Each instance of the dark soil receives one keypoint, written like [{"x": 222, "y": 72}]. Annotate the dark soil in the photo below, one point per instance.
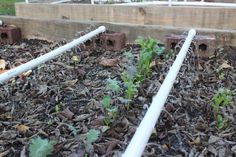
[{"x": 66, "y": 92}]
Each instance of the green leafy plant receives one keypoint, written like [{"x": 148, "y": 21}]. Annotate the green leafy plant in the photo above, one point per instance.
[
  {"x": 111, "y": 111},
  {"x": 131, "y": 87},
  {"x": 221, "y": 122},
  {"x": 92, "y": 136},
  {"x": 147, "y": 44},
  {"x": 131, "y": 76},
  {"x": 222, "y": 97},
  {"x": 106, "y": 101},
  {"x": 40, "y": 147},
  {"x": 57, "y": 108},
  {"x": 113, "y": 85},
  {"x": 129, "y": 55},
  {"x": 149, "y": 48}
]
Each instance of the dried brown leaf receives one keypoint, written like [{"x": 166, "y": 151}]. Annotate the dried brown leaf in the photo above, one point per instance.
[
  {"x": 76, "y": 58},
  {"x": 71, "y": 82},
  {"x": 196, "y": 141},
  {"x": 2, "y": 64},
  {"x": 109, "y": 62},
  {"x": 152, "y": 64},
  {"x": 225, "y": 66},
  {"x": 27, "y": 73},
  {"x": 22, "y": 128}
]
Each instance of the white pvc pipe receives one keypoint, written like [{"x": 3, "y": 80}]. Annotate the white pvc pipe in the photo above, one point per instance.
[
  {"x": 206, "y": 4},
  {"x": 49, "y": 56},
  {"x": 61, "y": 1},
  {"x": 169, "y": 3},
  {"x": 143, "y": 132},
  {"x": 1, "y": 22}
]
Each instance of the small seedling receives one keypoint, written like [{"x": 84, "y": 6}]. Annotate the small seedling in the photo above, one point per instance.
[
  {"x": 40, "y": 147},
  {"x": 148, "y": 44},
  {"x": 221, "y": 122},
  {"x": 149, "y": 48},
  {"x": 92, "y": 136},
  {"x": 131, "y": 87},
  {"x": 111, "y": 111},
  {"x": 57, "y": 108},
  {"x": 106, "y": 101},
  {"x": 128, "y": 55},
  {"x": 113, "y": 85},
  {"x": 222, "y": 97}
]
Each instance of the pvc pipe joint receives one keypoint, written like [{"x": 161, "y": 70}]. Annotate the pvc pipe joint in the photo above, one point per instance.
[{"x": 144, "y": 130}]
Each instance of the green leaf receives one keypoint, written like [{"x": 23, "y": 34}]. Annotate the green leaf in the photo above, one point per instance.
[
  {"x": 221, "y": 122},
  {"x": 222, "y": 97},
  {"x": 57, "y": 108},
  {"x": 112, "y": 110},
  {"x": 92, "y": 136},
  {"x": 113, "y": 85},
  {"x": 149, "y": 48},
  {"x": 40, "y": 147},
  {"x": 106, "y": 101},
  {"x": 73, "y": 129},
  {"x": 140, "y": 41},
  {"x": 129, "y": 55},
  {"x": 160, "y": 50}
]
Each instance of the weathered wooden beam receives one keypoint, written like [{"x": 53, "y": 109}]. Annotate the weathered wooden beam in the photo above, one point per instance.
[
  {"x": 176, "y": 16},
  {"x": 66, "y": 29}
]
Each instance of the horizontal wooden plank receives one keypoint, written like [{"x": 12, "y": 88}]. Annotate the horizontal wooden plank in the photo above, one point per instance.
[
  {"x": 176, "y": 16},
  {"x": 66, "y": 29}
]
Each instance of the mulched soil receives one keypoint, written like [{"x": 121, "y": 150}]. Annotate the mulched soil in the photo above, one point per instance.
[{"x": 186, "y": 127}]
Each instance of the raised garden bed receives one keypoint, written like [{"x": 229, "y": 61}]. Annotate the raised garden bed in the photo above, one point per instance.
[{"x": 62, "y": 101}]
